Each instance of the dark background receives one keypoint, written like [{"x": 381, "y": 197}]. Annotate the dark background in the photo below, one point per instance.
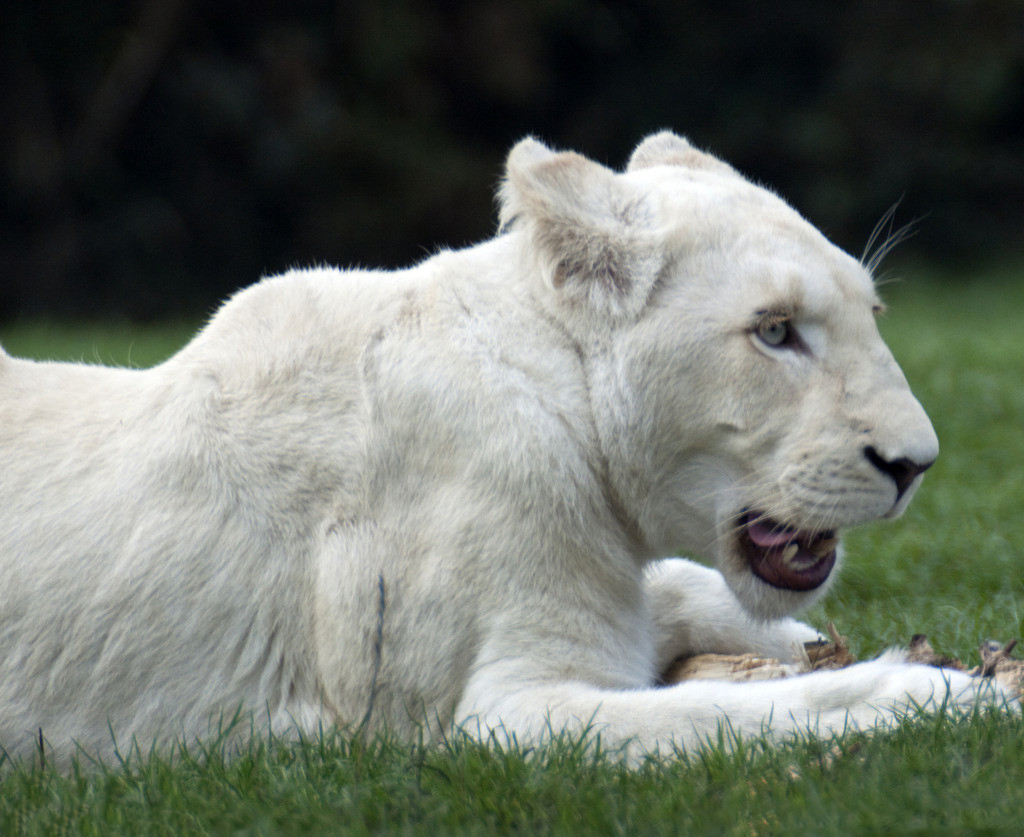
[{"x": 156, "y": 155}]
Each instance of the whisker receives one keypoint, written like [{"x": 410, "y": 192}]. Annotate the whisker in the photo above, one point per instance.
[
  {"x": 883, "y": 223},
  {"x": 883, "y": 239}
]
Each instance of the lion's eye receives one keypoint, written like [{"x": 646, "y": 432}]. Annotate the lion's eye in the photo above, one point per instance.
[{"x": 775, "y": 333}]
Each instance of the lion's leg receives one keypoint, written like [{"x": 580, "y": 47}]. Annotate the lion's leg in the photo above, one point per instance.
[
  {"x": 692, "y": 713},
  {"x": 694, "y": 611}
]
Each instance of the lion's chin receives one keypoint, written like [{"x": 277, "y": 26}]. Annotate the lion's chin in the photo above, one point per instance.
[{"x": 785, "y": 557}]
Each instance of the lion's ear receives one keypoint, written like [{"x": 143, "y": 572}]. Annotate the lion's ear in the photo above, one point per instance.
[
  {"x": 669, "y": 149},
  {"x": 591, "y": 233}
]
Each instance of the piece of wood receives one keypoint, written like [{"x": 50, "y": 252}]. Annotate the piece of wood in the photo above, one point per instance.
[
  {"x": 824, "y": 655},
  {"x": 834, "y": 653},
  {"x": 738, "y": 667},
  {"x": 921, "y": 651},
  {"x": 997, "y": 663}
]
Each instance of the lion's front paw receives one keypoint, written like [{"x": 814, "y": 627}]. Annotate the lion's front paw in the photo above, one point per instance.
[
  {"x": 784, "y": 639},
  {"x": 886, "y": 690}
]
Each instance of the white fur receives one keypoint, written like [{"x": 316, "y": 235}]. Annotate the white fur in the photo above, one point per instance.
[{"x": 435, "y": 496}]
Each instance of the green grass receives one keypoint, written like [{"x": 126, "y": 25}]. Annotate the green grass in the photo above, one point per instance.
[
  {"x": 115, "y": 343},
  {"x": 952, "y": 567},
  {"x": 932, "y": 773}
]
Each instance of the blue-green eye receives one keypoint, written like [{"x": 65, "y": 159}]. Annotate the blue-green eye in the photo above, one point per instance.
[{"x": 775, "y": 332}]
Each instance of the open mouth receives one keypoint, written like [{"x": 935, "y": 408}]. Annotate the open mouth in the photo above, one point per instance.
[{"x": 784, "y": 557}]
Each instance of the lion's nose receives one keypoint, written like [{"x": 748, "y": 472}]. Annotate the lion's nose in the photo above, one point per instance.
[{"x": 903, "y": 471}]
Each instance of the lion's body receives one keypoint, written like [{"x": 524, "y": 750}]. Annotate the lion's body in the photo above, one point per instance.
[{"x": 432, "y": 496}]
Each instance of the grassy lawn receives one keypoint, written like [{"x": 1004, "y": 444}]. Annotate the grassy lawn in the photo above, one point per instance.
[
  {"x": 116, "y": 344},
  {"x": 952, "y": 567}
]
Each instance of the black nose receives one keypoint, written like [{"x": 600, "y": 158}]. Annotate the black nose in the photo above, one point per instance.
[{"x": 902, "y": 470}]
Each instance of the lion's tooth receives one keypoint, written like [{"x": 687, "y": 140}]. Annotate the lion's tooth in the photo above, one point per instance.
[
  {"x": 824, "y": 547},
  {"x": 790, "y": 552}
]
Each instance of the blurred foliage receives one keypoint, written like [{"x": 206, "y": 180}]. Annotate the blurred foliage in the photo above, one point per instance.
[{"x": 156, "y": 155}]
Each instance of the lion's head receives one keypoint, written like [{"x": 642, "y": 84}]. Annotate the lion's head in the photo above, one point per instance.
[{"x": 746, "y": 405}]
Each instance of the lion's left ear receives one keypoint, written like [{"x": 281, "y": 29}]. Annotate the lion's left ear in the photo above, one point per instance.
[{"x": 591, "y": 233}]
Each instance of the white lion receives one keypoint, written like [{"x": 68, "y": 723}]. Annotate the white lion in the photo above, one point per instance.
[{"x": 437, "y": 497}]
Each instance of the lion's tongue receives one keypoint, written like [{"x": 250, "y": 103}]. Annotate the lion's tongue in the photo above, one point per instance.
[{"x": 769, "y": 536}]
